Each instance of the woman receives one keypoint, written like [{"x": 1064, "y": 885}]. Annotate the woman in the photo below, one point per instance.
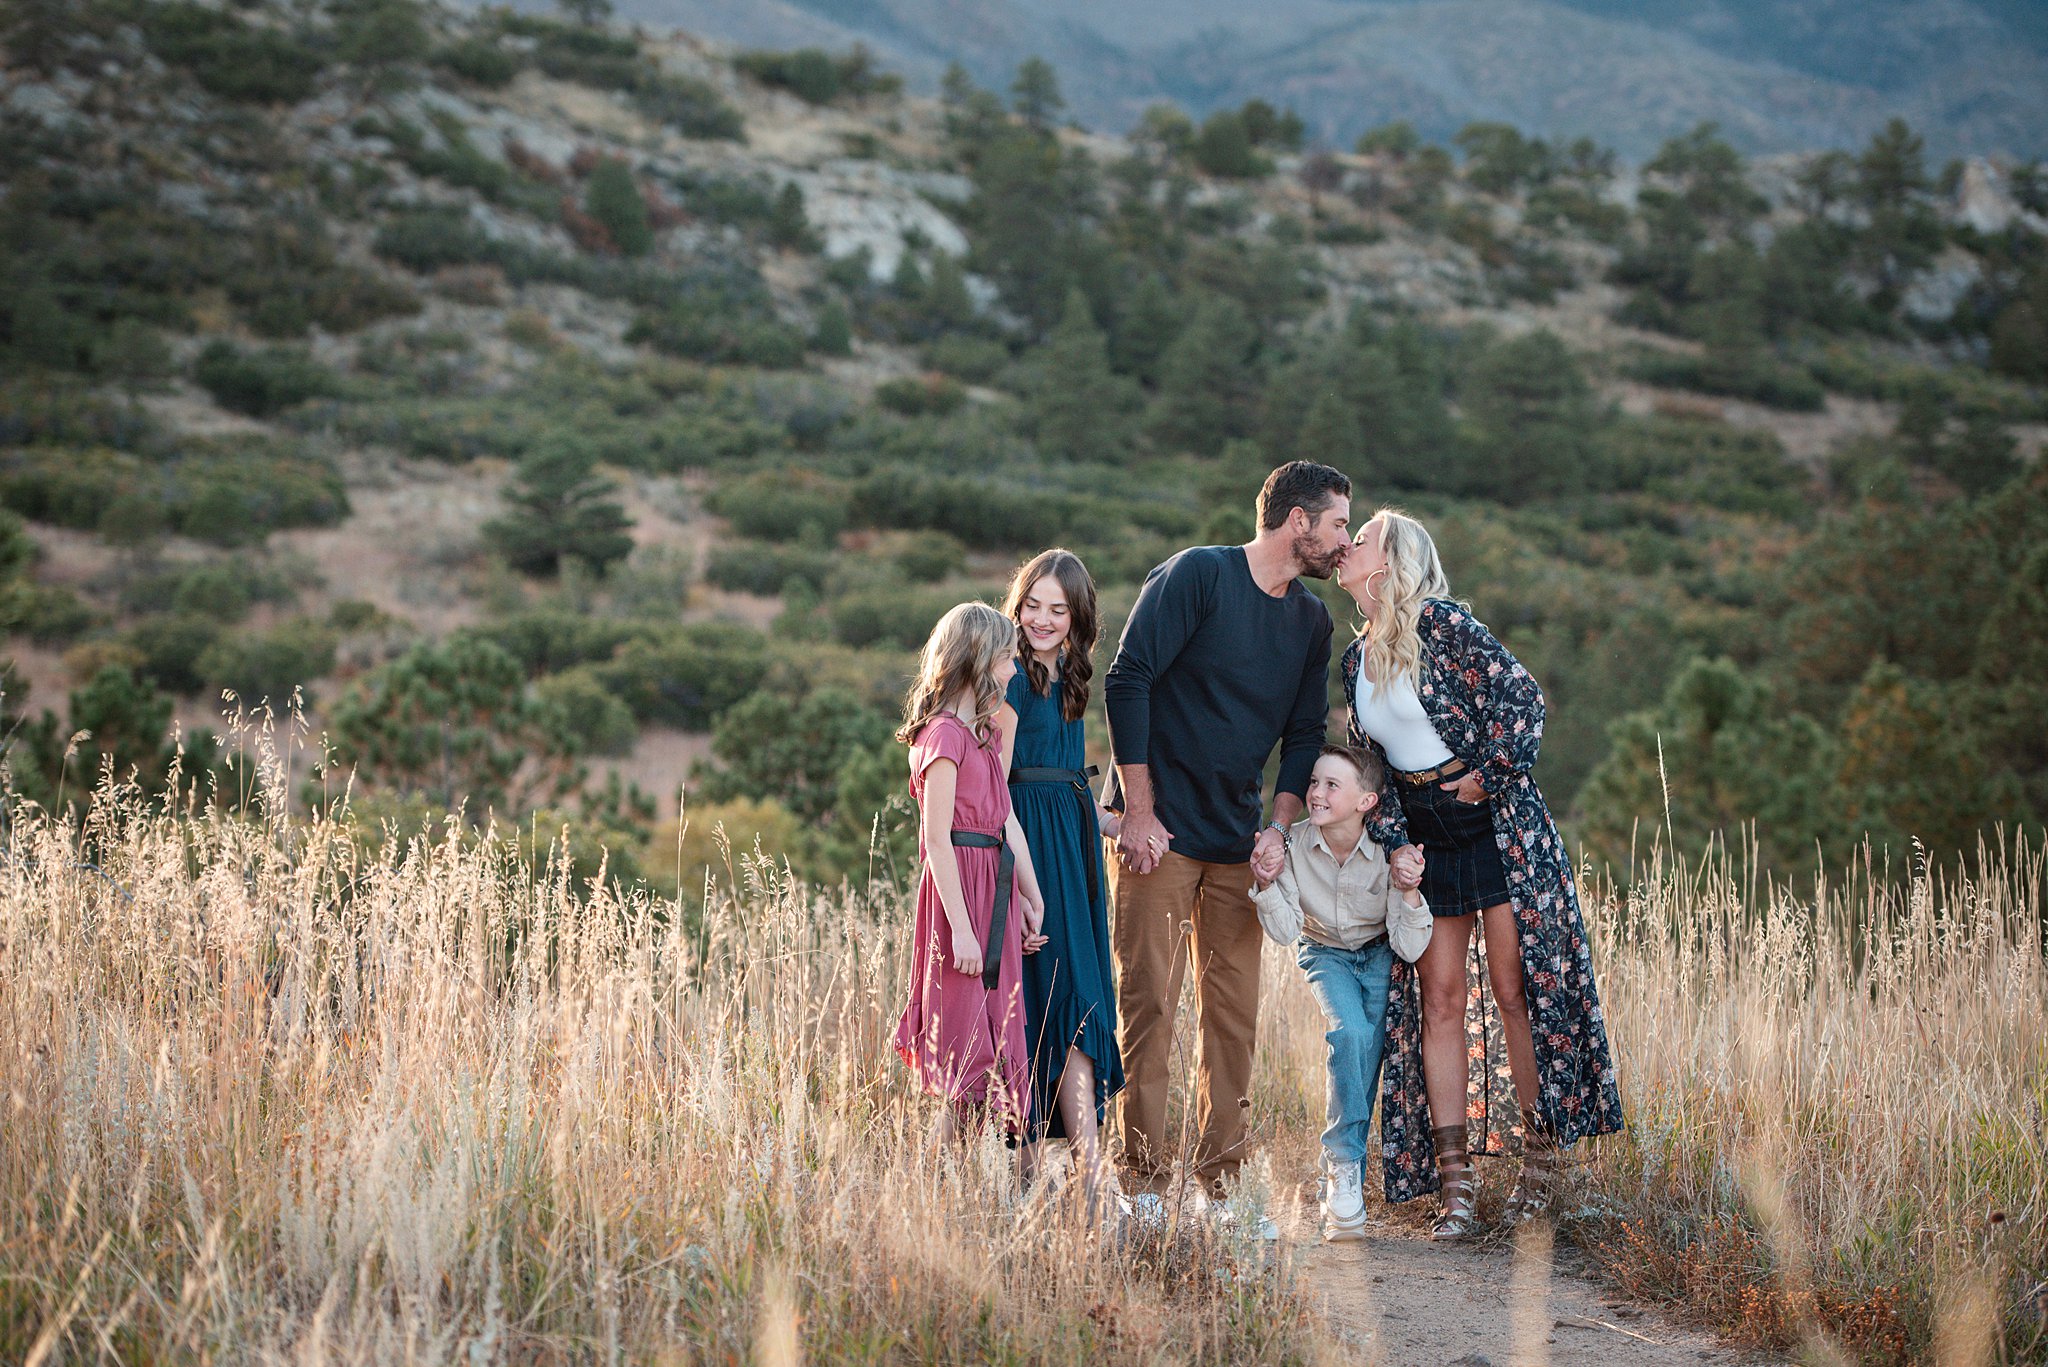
[
  {"x": 1069, "y": 1001},
  {"x": 1458, "y": 720}
]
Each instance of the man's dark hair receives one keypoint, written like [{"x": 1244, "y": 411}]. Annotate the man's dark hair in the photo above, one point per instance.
[
  {"x": 1300, "y": 484},
  {"x": 1372, "y": 772}
]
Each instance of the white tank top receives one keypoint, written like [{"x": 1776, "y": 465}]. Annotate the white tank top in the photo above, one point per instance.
[{"x": 1393, "y": 716}]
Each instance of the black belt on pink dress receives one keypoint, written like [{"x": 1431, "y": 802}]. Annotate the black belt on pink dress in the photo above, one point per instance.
[{"x": 999, "y": 917}]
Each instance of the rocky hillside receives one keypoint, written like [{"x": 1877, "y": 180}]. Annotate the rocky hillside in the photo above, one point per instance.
[
  {"x": 573, "y": 412},
  {"x": 1777, "y": 75}
]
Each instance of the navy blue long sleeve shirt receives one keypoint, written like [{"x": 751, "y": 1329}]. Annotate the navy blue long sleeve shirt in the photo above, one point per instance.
[{"x": 1212, "y": 672}]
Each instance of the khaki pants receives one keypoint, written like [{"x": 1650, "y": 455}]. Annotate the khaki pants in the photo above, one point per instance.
[{"x": 1184, "y": 905}]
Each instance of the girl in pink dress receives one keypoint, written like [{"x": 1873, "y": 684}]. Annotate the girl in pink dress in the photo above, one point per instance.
[{"x": 962, "y": 1032}]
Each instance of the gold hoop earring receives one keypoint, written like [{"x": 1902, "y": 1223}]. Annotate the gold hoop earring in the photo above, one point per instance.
[{"x": 1376, "y": 574}]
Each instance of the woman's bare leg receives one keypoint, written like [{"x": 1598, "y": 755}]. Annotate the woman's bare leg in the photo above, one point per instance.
[
  {"x": 1077, "y": 1112},
  {"x": 1442, "y": 973},
  {"x": 1504, "y": 975}
]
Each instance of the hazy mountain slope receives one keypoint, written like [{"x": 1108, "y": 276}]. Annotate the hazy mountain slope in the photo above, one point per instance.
[{"x": 1777, "y": 74}]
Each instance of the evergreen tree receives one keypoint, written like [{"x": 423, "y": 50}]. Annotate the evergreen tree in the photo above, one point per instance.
[
  {"x": 1980, "y": 458},
  {"x": 1078, "y": 408},
  {"x": 560, "y": 508},
  {"x": 1904, "y": 231},
  {"x": 1533, "y": 419},
  {"x": 788, "y": 225},
  {"x": 1223, "y": 147},
  {"x": 1331, "y": 435},
  {"x": 2011, "y": 676},
  {"x": 1035, "y": 94},
  {"x": 947, "y": 303},
  {"x": 1206, "y": 385},
  {"x": 834, "y": 333},
  {"x": 613, "y": 198},
  {"x": 1145, "y": 328},
  {"x": 588, "y": 13},
  {"x": 454, "y": 722},
  {"x": 1716, "y": 758},
  {"x": 1914, "y": 766}
]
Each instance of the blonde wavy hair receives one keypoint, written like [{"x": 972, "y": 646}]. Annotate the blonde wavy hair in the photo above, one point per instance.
[
  {"x": 961, "y": 654},
  {"x": 1415, "y": 574}
]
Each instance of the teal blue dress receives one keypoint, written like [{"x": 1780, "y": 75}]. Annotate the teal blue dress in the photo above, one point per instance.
[{"x": 1069, "y": 998}]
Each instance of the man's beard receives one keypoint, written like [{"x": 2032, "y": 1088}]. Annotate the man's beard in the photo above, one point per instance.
[{"x": 1315, "y": 562}]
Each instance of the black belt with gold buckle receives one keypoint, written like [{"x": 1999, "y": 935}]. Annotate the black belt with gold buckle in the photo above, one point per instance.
[{"x": 1450, "y": 768}]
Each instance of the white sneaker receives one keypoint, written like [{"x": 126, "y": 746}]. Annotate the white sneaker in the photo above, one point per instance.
[
  {"x": 1147, "y": 1210},
  {"x": 1343, "y": 1201}
]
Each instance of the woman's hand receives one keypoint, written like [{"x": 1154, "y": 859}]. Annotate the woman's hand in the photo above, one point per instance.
[
  {"x": 1405, "y": 866},
  {"x": 1034, "y": 926},
  {"x": 1467, "y": 788},
  {"x": 1111, "y": 824},
  {"x": 966, "y": 951}
]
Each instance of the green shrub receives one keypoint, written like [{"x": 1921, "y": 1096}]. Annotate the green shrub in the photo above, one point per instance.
[
  {"x": 270, "y": 664},
  {"x": 481, "y": 61},
  {"x": 833, "y": 335},
  {"x": 782, "y": 505},
  {"x": 979, "y": 512},
  {"x": 762, "y": 568},
  {"x": 224, "y": 590},
  {"x": 37, "y": 411},
  {"x": 928, "y": 557},
  {"x": 894, "y": 618},
  {"x": 46, "y": 614},
  {"x": 689, "y": 106},
  {"x": 690, "y": 328},
  {"x": 550, "y": 641},
  {"x": 170, "y": 648},
  {"x": 600, "y": 723},
  {"x": 429, "y": 239},
  {"x": 686, "y": 676},
  {"x": 18, "y": 550},
  {"x": 229, "y": 57},
  {"x": 1761, "y": 379},
  {"x": 263, "y": 382},
  {"x": 917, "y": 395},
  {"x": 612, "y": 197},
  {"x": 976, "y": 360},
  {"x": 235, "y": 498},
  {"x": 816, "y": 76}
]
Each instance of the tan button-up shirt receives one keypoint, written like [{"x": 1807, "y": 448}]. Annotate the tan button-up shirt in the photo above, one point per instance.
[{"x": 1345, "y": 904}]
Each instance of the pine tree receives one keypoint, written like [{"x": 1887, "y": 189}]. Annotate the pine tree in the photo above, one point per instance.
[
  {"x": 1145, "y": 328},
  {"x": 560, "y": 508},
  {"x": 1331, "y": 435},
  {"x": 1206, "y": 385},
  {"x": 788, "y": 225},
  {"x": 1980, "y": 458},
  {"x": 1079, "y": 409},
  {"x": 947, "y": 302},
  {"x": 613, "y": 198},
  {"x": 1035, "y": 94},
  {"x": 834, "y": 333},
  {"x": 1533, "y": 419}
]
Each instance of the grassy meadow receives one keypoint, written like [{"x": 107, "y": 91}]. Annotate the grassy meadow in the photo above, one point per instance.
[{"x": 278, "y": 1092}]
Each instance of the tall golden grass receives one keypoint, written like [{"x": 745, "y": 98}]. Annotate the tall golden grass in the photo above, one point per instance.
[{"x": 271, "y": 1095}]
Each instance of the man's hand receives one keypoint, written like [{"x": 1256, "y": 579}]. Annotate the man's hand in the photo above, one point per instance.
[
  {"x": 1269, "y": 851},
  {"x": 1467, "y": 788},
  {"x": 1404, "y": 866},
  {"x": 966, "y": 952},
  {"x": 1142, "y": 842}
]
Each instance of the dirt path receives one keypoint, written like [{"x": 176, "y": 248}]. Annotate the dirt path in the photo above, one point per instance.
[{"x": 1396, "y": 1299}]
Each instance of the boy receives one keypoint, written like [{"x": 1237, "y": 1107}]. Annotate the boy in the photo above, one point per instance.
[{"x": 1335, "y": 894}]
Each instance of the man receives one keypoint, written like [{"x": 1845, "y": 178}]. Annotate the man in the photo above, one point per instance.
[{"x": 1224, "y": 656}]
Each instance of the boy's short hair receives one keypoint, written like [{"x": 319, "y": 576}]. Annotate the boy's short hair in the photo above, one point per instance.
[{"x": 1372, "y": 771}]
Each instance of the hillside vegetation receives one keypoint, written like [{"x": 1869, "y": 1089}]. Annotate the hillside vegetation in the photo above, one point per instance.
[{"x": 531, "y": 395}]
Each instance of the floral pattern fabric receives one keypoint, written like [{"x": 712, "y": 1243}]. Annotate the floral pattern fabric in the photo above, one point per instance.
[{"x": 1489, "y": 712}]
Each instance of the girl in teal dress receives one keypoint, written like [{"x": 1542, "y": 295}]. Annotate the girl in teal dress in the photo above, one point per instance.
[{"x": 1069, "y": 998}]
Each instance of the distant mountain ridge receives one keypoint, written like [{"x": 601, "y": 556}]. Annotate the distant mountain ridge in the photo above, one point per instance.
[{"x": 1777, "y": 75}]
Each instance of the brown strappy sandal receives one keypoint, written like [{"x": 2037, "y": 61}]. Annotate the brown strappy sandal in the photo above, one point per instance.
[
  {"x": 1460, "y": 1219},
  {"x": 1534, "y": 1185}
]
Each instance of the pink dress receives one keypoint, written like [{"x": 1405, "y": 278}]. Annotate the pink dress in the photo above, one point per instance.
[{"x": 959, "y": 1039}]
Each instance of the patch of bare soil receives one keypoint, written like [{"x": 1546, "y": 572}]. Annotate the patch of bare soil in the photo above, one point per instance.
[
  {"x": 1396, "y": 1297},
  {"x": 1808, "y": 438}
]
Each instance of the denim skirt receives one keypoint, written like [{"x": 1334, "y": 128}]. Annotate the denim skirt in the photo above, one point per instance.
[{"x": 1461, "y": 869}]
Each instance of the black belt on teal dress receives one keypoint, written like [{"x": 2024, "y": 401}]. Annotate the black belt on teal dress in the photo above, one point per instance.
[
  {"x": 1077, "y": 777},
  {"x": 1006, "y": 874}
]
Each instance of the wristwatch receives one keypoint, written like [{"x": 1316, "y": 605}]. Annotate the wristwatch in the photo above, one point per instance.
[{"x": 1282, "y": 828}]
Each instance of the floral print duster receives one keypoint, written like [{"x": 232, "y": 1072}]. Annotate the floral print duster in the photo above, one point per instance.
[{"x": 1489, "y": 712}]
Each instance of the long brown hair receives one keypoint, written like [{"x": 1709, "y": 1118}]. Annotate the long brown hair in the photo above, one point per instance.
[
  {"x": 1078, "y": 666},
  {"x": 961, "y": 654}
]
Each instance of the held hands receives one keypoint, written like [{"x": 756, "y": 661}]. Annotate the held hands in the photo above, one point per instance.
[
  {"x": 1111, "y": 824},
  {"x": 1034, "y": 926},
  {"x": 1404, "y": 867},
  {"x": 1142, "y": 842},
  {"x": 1467, "y": 788},
  {"x": 1269, "y": 852}
]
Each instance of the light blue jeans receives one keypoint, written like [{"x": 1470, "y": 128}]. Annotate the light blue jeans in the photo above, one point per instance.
[{"x": 1351, "y": 987}]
